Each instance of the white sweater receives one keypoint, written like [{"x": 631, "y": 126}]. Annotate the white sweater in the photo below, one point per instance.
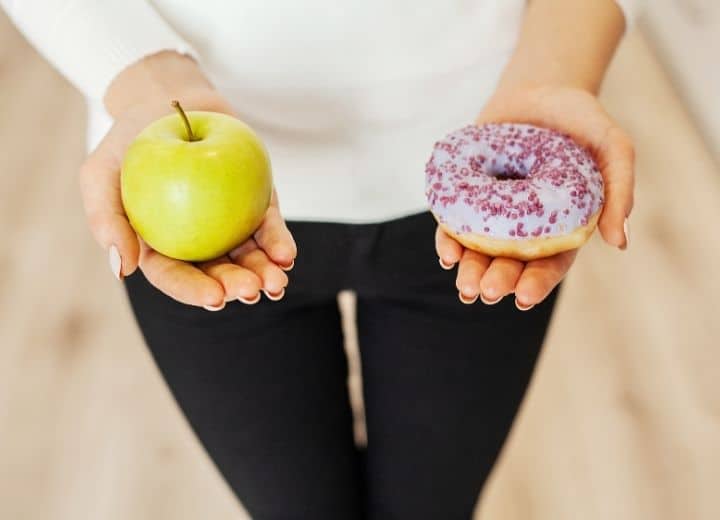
[{"x": 348, "y": 96}]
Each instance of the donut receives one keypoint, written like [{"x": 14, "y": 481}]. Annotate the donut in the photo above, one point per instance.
[{"x": 514, "y": 190}]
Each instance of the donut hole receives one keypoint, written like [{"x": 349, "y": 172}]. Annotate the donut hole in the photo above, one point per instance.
[
  {"x": 504, "y": 174},
  {"x": 507, "y": 172},
  {"x": 501, "y": 167}
]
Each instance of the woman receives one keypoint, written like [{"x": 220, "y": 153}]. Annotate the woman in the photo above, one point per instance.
[{"x": 349, "y": 100}]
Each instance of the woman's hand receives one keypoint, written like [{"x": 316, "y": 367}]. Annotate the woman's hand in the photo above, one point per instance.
[
  {"x": 256, "y": 265},
  {"x": 579, "y": 114}
]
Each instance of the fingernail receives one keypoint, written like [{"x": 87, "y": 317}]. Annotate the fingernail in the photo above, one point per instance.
[
  {"x": 445, "y": 266},
  {"x": 250, "y": 302},
  {"x": 522, "y": 307},
  {"x": 466, "y": 300},
  {"x": 289, "y": 267},
  {"x": 626, "y": 230},
  {"x": 115, "y": 261},
  {"x": 214, "y": 308},
  {"x": 274, "y": 297},
  {"x": 490, "y": 302}
]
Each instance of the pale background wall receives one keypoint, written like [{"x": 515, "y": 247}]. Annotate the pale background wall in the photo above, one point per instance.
[
  {"x": 622, "y": 420},
  {"x": 686, "y": 34}
]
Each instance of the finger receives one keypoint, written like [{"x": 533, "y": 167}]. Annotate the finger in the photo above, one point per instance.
[
  {"x": 448, "y": 249},
  {"x": 238, "y": 283},
  {"x": 500, "y": 279},
  {"x": 540, "y": 277},
  {"x": 180, "y": 280},
  {"x": 470, "y": 271},
  {"x": 616, "y": 159},
  {"x": 273, "y": 280},
  {"x": 275, "y": 238},
  {"x": 100, "y": 188}
]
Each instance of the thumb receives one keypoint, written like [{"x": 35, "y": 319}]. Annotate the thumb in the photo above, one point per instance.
[
  {"x": 114, "y": 234},
  {"x": 616, "y": 158},
  {"x": 100, "y": 187}
]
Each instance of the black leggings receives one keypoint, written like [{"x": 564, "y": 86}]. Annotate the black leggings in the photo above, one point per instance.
[{"x": 265, "y": 389}]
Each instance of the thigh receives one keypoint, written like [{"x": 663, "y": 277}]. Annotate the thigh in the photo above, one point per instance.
[
  {"x": 442, "y": 381},
  {"x": 264, "y": 388}
]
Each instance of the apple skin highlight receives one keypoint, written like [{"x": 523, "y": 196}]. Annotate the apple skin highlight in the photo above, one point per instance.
[{"x": 196, "y": 200}]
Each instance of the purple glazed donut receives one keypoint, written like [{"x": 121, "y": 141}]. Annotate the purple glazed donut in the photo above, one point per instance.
[{"x": 514, "y": 190}]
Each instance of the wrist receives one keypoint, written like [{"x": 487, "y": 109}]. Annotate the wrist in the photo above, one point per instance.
[
  {"x": 534, "y": 104},
  {"x": 157, "y": 79},
  {"x": 511, "y": 83}
]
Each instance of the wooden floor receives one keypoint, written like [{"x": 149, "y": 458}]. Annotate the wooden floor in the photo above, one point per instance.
[{"x": 622, "y": 421}]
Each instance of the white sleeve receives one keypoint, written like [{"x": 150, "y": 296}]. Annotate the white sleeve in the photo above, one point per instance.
[
  {"x": 631, "y": 10},
  {"x": 91, "y": 41}
]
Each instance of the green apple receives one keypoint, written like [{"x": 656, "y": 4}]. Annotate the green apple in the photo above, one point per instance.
[{"x": 196, "y": 185}]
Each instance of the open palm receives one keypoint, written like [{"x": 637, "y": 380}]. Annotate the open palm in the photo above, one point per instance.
[
  {"x": 579, "y": 114},
  {"x": 256, "y": 265}
]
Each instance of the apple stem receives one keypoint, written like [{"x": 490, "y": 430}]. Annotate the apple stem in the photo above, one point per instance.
[{"x": 176, "y": 105}]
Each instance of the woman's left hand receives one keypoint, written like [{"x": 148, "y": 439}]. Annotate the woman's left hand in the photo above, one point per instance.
[{"x": 579, "y": 114}]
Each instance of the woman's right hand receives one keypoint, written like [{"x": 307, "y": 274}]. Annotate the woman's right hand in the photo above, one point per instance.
[{"x": 256, "y": 265}]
